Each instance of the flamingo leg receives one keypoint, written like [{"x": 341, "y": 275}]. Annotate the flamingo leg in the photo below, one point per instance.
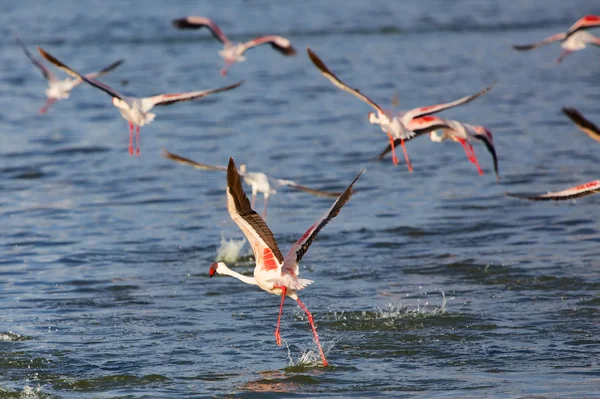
[
  {"x": 314, "y": 330},
  {"x": 284, "y": 291},
  {"x": 265, "y": 208},
  {"x": 394, "y": 157},
  {"x": 470, "y": 154},
  {"x": 225, "y": 68},
  {"x": 130, "y": 138},
  {"x": 137, "y": 140},
  {"x": 49, "y": 102},
  {"x": 410, "y": 168},
  {"x": 253, "y": 200},
  {"x": 563, "y": 55}
]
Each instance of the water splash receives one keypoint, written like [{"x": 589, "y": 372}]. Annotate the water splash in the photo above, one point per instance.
[
  {"x": 309, "y": 357},
  {"x": 10, "y": 336},
  {"x": 229, "y": 250}
]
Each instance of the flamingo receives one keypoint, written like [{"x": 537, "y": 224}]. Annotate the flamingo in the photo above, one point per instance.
[
  {"x": 136, "y": 110},
  {"x": 459, "y": 132},
  {"x": 60, "y": 89},
  {"x": 394, "y": 126},
  {"x": 274, "y": 273},
  {"x": 259, "y": 182},
  {"x": 582, "y": 190},
  {"x": 576, "y": 38},
  {"x": 234, "y": 52},
  {"x": 582, "y": 123}
]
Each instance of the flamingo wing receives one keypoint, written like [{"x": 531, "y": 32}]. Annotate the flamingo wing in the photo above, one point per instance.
[
  {"x": 279, "y": 43},
  {"x": 261, "y": 239},
  {"x": 432, "y": 109},
  {"x": 587, "y": 22},
  {"x": 168, "y": 99},
  {"x": 290, "y": 264},
  {"x": 491, "y": 149},
  {"x": 110, "y": 91},
  {"x": 338, "y": 83},
  {"x": 45, "y": 71},
  {"x": 197, "y": 165},
  {"x": 550, "y": 39},
  {"x": 582, "y": 123},
  {"x": 318, "y": 193},
  {"x": 193, "y": 22},
  {"x": 582, "y": 190}
]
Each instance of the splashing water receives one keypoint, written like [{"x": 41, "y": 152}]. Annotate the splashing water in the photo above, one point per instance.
[
  {"x": 229, "y": 250},
  {"x": 308, "y": 358}
]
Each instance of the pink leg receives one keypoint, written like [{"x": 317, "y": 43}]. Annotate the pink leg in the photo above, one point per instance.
[
  {"x": 265, "y": 208},
  {"x": 225, "y": 68},
  {"x": 130, "y": 138},
  {"x": 47, "y": 105},
  {"x": 253, "y": 200},
  {"x": 314, "y": 330},
  {"x": 137, "y": 139},
  {"x": 410, "y": 168},
  {"x": 284, "y": 291},
  {"x": 394, "y": 157},
  {"x": 470, "y": 154},
  {"x": 563, "y": 55}
]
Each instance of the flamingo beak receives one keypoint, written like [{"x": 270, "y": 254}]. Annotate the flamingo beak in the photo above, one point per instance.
[{"x": 213, "y": 269}]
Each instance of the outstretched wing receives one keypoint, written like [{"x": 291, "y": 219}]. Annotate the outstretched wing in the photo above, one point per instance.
[
  {"x": 589, "y": 21},
  {"x": 290, "y": 264},
  {"x": 432, "y": 109},
  {"x": 255, "y": 229},
  {"x": 548, "y": 40},
  {"x": 338, "y": 83},
  {"x": 186, "y": 161},
  {"x": 279, "y": 43},
  {"x": 108, "y": 90},
  {"x": 583, "y": 124},
  {"x": 101, "y": 72},
  {"x": 491, "y": 149},
  {"x": 193, "y": 22},
  {"x": 168, "y": 99},
  {"x": 583, "y": 190},
  {"x": 318, "y": 193},
  {"x": 45, "y": 71}
]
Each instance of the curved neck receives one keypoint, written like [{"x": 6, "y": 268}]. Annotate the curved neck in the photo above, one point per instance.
[{"x": 228, "y": 272}]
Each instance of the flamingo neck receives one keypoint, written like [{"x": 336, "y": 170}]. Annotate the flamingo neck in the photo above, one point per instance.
[{"x": 222, "y": 269}]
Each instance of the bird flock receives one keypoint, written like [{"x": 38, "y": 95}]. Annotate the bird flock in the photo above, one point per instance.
[{"x": 275, "y": 273}]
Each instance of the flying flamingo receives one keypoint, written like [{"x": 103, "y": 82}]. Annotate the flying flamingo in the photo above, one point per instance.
[
  {"x": 234, "y": 52},
  {"x": 259, "y": 182},
  {"x": 576, "y": 38},
  {"x": 459, "y": 132},
  {"x": 583, "y": 124},
  {"x": 274, "y": 273},
  {"x": 136, "y": 110},
  {"x": 60, "y": 89},
  {"x": 582, "y": 190},
  {"x": 394, "y": 126}
]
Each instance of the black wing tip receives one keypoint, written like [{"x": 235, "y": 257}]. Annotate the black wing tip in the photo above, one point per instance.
[
  {"x": 522, "y": 47},
  {"x": 316, "y": 60},
  {"x": 182, "y": 23}
]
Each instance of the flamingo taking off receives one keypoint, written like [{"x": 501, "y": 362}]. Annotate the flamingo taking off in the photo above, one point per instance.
[
  {"x": 582, "y": 123},
  {"x": 582, "y": 190},
  {"x": 394, "y": 126},
  {"x": 459, "y": 132},
  {"x": 136, "y": 110},
  {"x": 60, "y": 89},
  {"x": 274, "y": 273},
  {"x": 234, "y": 52},
  {"x": 576, "y": 38},
  {"x": 259, "y": 182}
]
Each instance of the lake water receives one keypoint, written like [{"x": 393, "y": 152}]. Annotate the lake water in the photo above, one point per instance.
[{"x": 429, "y": 284}]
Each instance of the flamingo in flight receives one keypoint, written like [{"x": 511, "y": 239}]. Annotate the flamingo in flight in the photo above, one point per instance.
[
  {"x": 259, "y": 182},
  {"x": 394, "y": 126},
  {"x": 582, "y": 190},
  {"x": 576, "y": 38},
  {"x": 136, "y": 110},
  {"x": 582, "y": 123},
  {"x": 459, "y": 132},
  {"x": 234, "y": 52},
  {"x": 274, "y": 273},
  {"x": 60, "y": 89}
]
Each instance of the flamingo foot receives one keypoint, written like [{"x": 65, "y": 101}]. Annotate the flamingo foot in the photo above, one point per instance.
[
  {"x": 278, "y": 338},
  {"x": 137, "y": 140},
  {"x": 314, "y": 330}
]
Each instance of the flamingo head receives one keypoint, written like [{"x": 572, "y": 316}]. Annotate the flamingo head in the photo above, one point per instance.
[
  {"x": 215, "y": 267},
  {"x": 242, "y": 169}
]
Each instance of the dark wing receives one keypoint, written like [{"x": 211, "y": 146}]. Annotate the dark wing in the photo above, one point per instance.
[
  {"x": 252, "y": 225},
  {"x": 193, "y": 22},
  {"x": 186, "y": 161},
  {"x": 548, "y": 40},
  {"x": 168, "y": 99},
  {"x": 583, "y": 124},
  {"x": 45, "y": 71},
  {"x": 74, "y": 73},
  {"x": 491, "y": 149},
  {"x": 583, "y": 190},
  {"x": 279, "y": 43},
  {"x": 301, "y": 246}
]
